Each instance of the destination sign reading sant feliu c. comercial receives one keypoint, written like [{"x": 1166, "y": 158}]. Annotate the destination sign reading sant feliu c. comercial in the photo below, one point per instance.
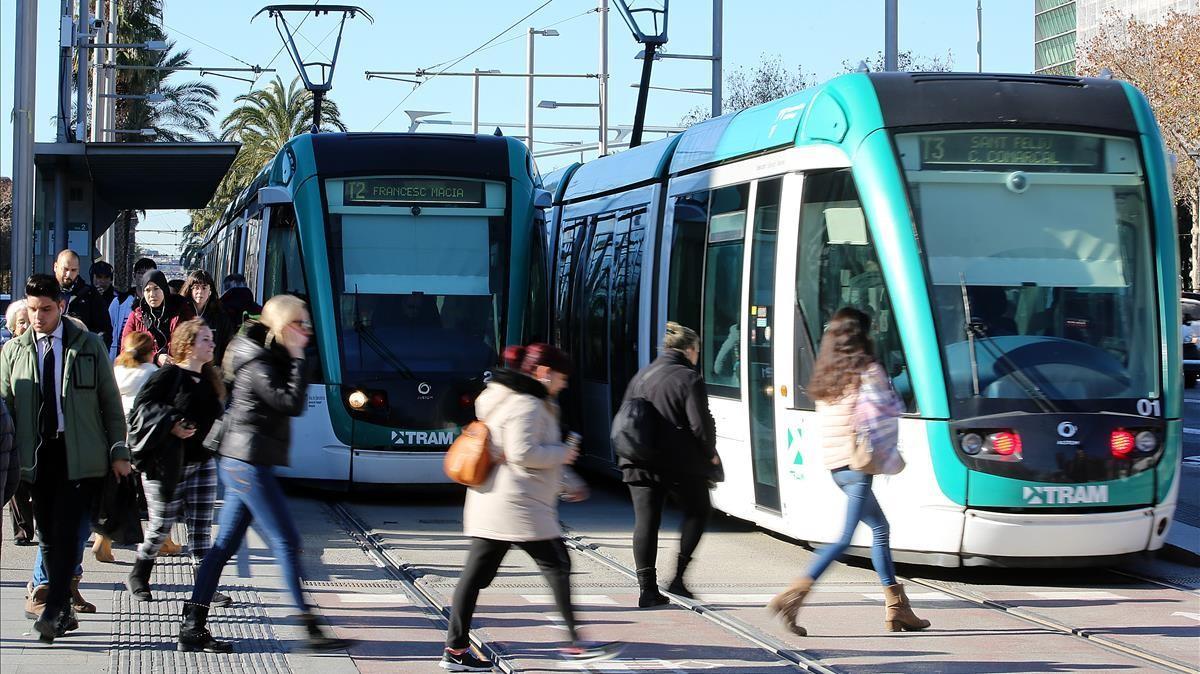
[
  {"x": 411, "y": 191},
  {"x": 1025, "y": 150}
]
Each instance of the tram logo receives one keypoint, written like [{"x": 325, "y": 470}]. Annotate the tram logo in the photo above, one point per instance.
[
  {"x": 1067, "y": 429},
  {"x": 422, "y": 438},
  {"x": 424, "y": 388},
  {"x": 1065, "y": 495}
]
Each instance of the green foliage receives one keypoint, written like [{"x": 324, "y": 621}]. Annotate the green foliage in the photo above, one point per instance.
[{"x": 263, "y": 122}]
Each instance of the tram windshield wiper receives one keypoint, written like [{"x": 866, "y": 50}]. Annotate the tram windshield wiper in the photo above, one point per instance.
[
  {"x": 366, "y": 334},
  {"x": 976, "y": 331}
]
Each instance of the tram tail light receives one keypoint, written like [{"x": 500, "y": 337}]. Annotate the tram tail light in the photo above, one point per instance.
[
  {"x": 1121, "y": 443},
  {"x": 1005, "y": 443},
  {"x": 466, "y": 400}
]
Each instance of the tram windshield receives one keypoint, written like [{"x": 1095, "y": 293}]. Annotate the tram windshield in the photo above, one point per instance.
[
  {"x": 419, "y": 296},
  {"x": 1038, "y": 251}
]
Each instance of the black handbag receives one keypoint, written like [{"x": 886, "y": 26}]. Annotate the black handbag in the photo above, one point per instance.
[
  {"x": 212, "y": 441},
  {"x": 116, "y": 513}
]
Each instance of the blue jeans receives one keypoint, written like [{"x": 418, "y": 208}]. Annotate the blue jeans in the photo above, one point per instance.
[
  {"x": 40, "y": 577},
  {"x": 860, "y": 507},
  {"x": 252, "y": 494}
]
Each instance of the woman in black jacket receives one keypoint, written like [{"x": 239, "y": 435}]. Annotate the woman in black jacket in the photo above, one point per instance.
[
  {"x": 200, "y": 300},
  {"x": 685, "y": 459},
  {"x": 266, "y": 364},
  {"x": 172, "y": 414}
]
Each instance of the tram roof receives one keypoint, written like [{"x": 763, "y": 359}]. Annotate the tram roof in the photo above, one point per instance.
[
  {"x": 624, "y": 169},
  {"x": 555, "y": 182},
  {"x": 436, "y": 153}
]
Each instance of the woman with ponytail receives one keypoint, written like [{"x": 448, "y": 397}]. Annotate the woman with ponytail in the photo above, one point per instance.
[{"x": 518, "y": 503}]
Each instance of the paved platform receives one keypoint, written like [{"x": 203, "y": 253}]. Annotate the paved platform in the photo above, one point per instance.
[{"x": 354, "y": 597}]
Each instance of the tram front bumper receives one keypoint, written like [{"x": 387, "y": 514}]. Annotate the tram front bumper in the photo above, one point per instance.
[{"x": 999, "y": 535}]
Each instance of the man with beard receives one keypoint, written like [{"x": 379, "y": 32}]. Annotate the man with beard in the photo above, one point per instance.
[{"x": 82, "y": 300}]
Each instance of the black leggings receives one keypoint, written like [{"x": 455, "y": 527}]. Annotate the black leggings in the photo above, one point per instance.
[
  {"x": 648, "y": 498},
  {"x": 483, "y": 561}
]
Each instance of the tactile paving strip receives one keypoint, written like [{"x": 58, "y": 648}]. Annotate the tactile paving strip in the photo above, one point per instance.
[{"x": 144, "y": 633}]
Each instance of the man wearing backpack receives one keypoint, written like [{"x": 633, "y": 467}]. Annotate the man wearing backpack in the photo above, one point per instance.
[{"x": 667, "y": 447}]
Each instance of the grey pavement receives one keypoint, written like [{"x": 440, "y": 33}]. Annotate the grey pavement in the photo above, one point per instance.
[{"x": 1184, "y": 534}]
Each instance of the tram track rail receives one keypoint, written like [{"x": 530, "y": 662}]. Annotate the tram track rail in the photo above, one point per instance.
[
  {"x": 797, "y": 657},
  {"x": 1090, "y": 635},
  {"x": 404, "y": 574}
]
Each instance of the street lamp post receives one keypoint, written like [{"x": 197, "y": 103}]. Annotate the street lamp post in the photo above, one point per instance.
[{"x": 529, "y": 82}]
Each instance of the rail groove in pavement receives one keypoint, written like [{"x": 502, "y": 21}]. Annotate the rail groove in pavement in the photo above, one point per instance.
[
  {"x": 402, "y": 573},
  {"x": 796, "y": 657}
]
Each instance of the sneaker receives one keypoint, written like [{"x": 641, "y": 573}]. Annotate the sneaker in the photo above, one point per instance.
[
  {"x": 220, "y": 600},
  {"x": 586, "y": 652},
  {"x": 466, "y": 662}
]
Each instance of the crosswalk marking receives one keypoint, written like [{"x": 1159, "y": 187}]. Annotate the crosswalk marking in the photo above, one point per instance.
[
  {"x": 371, "y": 598},
  {"x": 593, "y": 599},
  {"x": 914, "y": 596},
  {"x": 1081, "y": 595}
]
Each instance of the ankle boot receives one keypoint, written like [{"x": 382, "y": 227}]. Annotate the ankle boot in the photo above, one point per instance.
[
  {"x": 194, "y": 636},
  {"x": 35, "y": 603},
  {"x": 648, "y": 584},
  {"x": 102, "y": 549},
  {"x": 317, "y": 639},
  {"x": 899, "y": 616},
  {"x": 787, "y": 604},
  {"x": 78, "y": 603},
  {"x": 677, "y": 587},
  {"x": 170, "y": 547},
  {"x": 139, "y": 580}
]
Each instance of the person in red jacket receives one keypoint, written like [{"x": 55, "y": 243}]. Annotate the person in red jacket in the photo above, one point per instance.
[{"x": 155, "y": 313}]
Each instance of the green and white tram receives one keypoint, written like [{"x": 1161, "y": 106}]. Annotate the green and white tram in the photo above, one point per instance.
[
  {"x": 414, "y": 253},
  {"x": 1012, "y": 237}
]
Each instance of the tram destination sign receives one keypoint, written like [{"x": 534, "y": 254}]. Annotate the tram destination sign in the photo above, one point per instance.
[
  {"x": 1024, "y": 150},
  {"x": 411, "y": 191}
]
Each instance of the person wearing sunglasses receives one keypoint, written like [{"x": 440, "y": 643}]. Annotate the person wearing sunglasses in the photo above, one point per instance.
[{"x": 266, "y": 366}]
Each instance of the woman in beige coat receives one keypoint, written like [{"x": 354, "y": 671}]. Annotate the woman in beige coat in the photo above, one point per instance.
[{"x": 518, "y": 504}]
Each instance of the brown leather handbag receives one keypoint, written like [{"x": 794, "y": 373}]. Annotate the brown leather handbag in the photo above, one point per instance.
[{"x": 469, "y": 458}]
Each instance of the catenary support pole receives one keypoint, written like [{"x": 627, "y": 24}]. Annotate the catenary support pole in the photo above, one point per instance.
[
  {"x": 717, "y": 42},
  {"x": 890, "y": 38},
  {"x": 25, "y": 63},
  {"x": 603, "y": 91},
  {"x": 529, "y": 92},
  {"x": 639, "y": 115},
  {"x": 83, "y": 72}
]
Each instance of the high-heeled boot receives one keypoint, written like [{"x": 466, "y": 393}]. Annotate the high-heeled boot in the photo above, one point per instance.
[
  {"x": 787, "y": 604},
  {"x": 677, "y": 586},
  {"x": 899, "y": 616},
  {"x": 138, "y": 581},
  {"x": 648, "y": 585},
  {"x": 318, "y": 640},
  {"x": 102, "y": 549}
]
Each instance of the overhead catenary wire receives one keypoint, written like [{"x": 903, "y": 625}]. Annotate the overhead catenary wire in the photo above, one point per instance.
[
  {"x": 461, "y": 59},
  {"x": 202, "y": 42}
]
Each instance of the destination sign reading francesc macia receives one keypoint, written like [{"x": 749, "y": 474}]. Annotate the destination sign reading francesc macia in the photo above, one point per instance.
[
  {"x": 1029, "y": 151},
  {"x": 406, "y": 191}
]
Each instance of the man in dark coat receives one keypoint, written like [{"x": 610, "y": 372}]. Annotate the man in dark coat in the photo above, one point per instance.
[
  {"x": 237, "y": 300},
  {"x": 685, "y": 459},
  {"x": 82, "y": 300}
]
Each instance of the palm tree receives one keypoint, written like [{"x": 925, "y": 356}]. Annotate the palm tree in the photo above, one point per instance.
[
  {"x": 264, "y": 121},
  {"x": 187, "y": 112}
]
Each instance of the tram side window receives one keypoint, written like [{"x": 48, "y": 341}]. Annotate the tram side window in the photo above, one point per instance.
[
  {"x": 284, "y": 272},
  {"x": 535, "y": 303},
  {"x": 723, "y": 289},
  {"x": 253, "y": 237},
  {"x": 567, "y": 251},
  {"x": 687, "y": 259},
  {"x": 837, "y": 266},
  {"x": 595, "y": 302},
  {"x": 626, "y": 281}
]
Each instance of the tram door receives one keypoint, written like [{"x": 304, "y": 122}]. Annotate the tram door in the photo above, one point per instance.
[{"x": 758, "y": 329}]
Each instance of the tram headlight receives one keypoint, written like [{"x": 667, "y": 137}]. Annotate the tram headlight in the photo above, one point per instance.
[
  {"x": 971, "y": 443},
  {"x": 1146, "y": 441},
  {"x": 358, "y": 400}
]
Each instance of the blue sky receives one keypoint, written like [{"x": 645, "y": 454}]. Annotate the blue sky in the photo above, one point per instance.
[{"x": 813, "y": 34}]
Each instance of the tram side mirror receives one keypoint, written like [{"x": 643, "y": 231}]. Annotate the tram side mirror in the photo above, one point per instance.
[
  {"x": 269, "y": 196},
  {"x": 542, "y": 199}
]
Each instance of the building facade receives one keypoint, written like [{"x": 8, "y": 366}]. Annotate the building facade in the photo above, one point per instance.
[{"x": 1060, "y": 25}]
